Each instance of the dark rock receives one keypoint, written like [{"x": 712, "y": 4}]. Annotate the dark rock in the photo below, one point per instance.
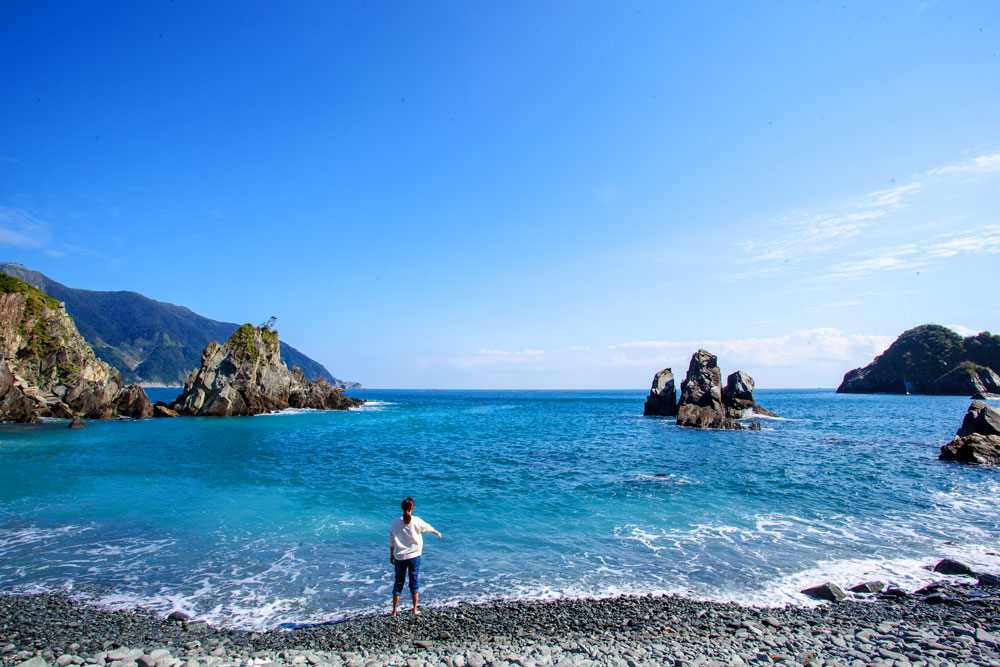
[
  {"x": 989, "y": 580},
  {"x": 755, "y": 426},
  {"x": 980, "y": 419},
  {"x": 245, "y": 376},
  {"x": 977, "y": 439},
  {"x": 936, "y": 598},
  {"x": 738, "y": 397},
  {"x": 178, "y": 616},
  {"x": 868, "y": 587},
  {"x": 949, "y": 566},
  {"x": 893, "y": 592},
  {"x": 76, "y": 423},
  {"x": 828, "y": 591},
  {"x": 662, "y": 399},
  {"x": 701, "y": 395}
]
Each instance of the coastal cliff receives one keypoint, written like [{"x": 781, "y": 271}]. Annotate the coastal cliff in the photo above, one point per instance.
[
  {"x": 931, "y": 359},
  {"x": 48, "y": 370},
  {"x": 245, "y": 376}
]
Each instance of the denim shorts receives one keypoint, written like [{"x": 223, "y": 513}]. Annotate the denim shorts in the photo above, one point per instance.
[{"x": 411, "y": 565}]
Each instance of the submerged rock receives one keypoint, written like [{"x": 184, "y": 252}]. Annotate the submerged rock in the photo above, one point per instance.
[
  {"x": 662, "y": 399},
  {"x": 977, "y": 439},
  {"x": 48, "y": 370},
  {"x": 245, "y": 376},
  {"x": 162, "y": 410},
  {"x": 76, "y": 423}
]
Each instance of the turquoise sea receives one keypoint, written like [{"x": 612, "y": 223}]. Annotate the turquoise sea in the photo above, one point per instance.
[{"x": 262, "y": 521}]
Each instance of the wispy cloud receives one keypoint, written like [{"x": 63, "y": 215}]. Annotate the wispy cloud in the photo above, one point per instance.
[
  {"x": 983, "y": 164},
  {"x": 21, "y": 229},
  {"x": 800, "y": 348}
]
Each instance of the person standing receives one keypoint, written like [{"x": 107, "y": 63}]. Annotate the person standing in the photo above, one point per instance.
[{"x": 406, "y": 543}]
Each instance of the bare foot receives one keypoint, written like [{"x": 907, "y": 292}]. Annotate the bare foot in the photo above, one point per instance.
[
  {"x": 416, "y": 613},
  {"x": 393, "y": 613}
]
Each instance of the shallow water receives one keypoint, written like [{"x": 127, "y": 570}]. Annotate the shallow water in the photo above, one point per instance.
[{"x": 254, "y": 522}]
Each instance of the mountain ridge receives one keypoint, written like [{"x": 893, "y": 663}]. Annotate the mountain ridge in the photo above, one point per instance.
[{"x": 148, "y": 341}]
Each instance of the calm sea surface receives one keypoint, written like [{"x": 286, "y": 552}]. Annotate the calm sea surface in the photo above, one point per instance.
[{"x": 254, "y": 522}]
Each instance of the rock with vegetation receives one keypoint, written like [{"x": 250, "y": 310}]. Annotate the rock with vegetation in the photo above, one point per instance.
[
  {"x": 662, "y": 399},
  {"x": 931, "y": 359},
  {"x": 150, "y": 342},
  {"x": 977, "y": 439},
  {"x": 245, "y": 376},
  {"x": 47, "y": 368}
]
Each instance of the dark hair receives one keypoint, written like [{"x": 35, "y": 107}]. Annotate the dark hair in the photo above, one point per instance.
[{"x": 407, "y": 508}]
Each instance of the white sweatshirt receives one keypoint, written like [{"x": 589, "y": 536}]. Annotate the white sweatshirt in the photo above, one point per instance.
[{"x": 406, "y": 538}]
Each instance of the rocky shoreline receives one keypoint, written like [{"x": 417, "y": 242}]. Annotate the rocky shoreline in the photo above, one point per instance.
[{"x": 960, "y": 629}]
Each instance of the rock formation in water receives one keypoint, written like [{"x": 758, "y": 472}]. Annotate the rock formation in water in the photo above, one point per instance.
[
  {"x": 931, "y": 359},
  {"x": 662, "y": 399},
  {"x": 705, "y": 404},
  {"x": 977, "y": 439},
  {"x": 48, "y": 370},
  {"x": 245, "y": 376}
]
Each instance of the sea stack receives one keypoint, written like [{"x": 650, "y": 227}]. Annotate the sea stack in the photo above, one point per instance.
[
  {"x": 48, "y": 370},
  {"x": 705, "y": 404},
  {"x": 977, "y": 439},
  {"x": 662, "y": 399},
  {"x": 245, "y": 376}
]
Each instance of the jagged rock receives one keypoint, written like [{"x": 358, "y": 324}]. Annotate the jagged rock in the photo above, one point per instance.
[
  {"x": 981, "y": 396},
  {"x": 662, "y": 399},
  {"x": 245, "y": 376},
  {"x": 161, "y": 410},
  {"x": 988, "y": 580},
  {"x": 46, "y": 368},
  {"x": 76, "y": 423},
  {"x": 827, "y": 591},
  {"x": 701, "y": 395},
  {"x": 755, "y": 426},
  {"x": 738, "y": 397},
  {"x": 977, "y": 439},
  {"x": 133, "y": 402},
  {"x": 949, "y": 566},
  {"x": 868, "y": 587}
]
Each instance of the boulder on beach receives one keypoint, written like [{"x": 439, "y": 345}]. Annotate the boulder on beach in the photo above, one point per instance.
[
  {"x": 977, "y": 439},
  {"x": 949, "y": 566},
  {"x": 662, "y": 399},
  {"x": 868, "y": 587},
  {"x": 828, "y": 591},
  {"x": 48, "y": 370},
  {"x": 245, "y": 376}
]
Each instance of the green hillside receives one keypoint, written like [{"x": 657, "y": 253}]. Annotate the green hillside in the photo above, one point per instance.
[{"x": 149, "y": 341}]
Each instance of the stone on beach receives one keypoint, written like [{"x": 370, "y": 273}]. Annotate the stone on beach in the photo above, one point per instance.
[
  {"x": 949, "y": 566},
  {"x": 828, "y": 591},
  {"x": 868, "y": 587}
]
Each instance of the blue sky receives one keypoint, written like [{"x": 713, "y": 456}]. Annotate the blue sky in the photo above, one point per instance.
[{"x": 558, "y": 194}]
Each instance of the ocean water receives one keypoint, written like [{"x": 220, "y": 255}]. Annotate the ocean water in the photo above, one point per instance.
[{"x": 281, "y": 519}]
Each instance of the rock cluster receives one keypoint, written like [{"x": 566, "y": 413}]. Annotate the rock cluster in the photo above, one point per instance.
[
  {"x": 977, "y": 439},
  {"x": 662, "y": 399},
  {"x": 245, "y": 376},
  {"x": 48, "y": 370},
  {"x": 47, "y": 630},
  {"x": 704, "y": 403}
]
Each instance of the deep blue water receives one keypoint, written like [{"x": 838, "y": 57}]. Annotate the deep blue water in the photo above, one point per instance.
[{"x": 283, "y": 518}]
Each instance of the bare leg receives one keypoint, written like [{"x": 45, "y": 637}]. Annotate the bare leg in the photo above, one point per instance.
[
  {"x": 415, "y": 596},
  {"x": 395, "y": 603}
]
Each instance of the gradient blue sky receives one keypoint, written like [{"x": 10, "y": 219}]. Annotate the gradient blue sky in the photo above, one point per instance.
[{"x": 515, "y": 194}]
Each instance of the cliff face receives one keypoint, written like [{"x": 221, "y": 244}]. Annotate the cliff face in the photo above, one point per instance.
[
  {"x": 48, "y": 370},
  {"x": 931, "y": 359},
  {"x": 245, "y": 376}
]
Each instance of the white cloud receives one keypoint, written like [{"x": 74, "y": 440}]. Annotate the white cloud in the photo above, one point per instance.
[
  {"x": 21, "y": 229},
  {"x": 798, "y": 349},
  {"x": 962, "y": 331},
  {"x": 982, "y": 240},
  {"x": 983, "y": 164}
]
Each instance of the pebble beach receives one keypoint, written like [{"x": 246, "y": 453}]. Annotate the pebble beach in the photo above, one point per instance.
[{"x": 951, "y": 626}]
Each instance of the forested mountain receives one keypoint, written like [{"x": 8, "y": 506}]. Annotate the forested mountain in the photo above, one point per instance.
[{"x": 149, "y": 341}]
